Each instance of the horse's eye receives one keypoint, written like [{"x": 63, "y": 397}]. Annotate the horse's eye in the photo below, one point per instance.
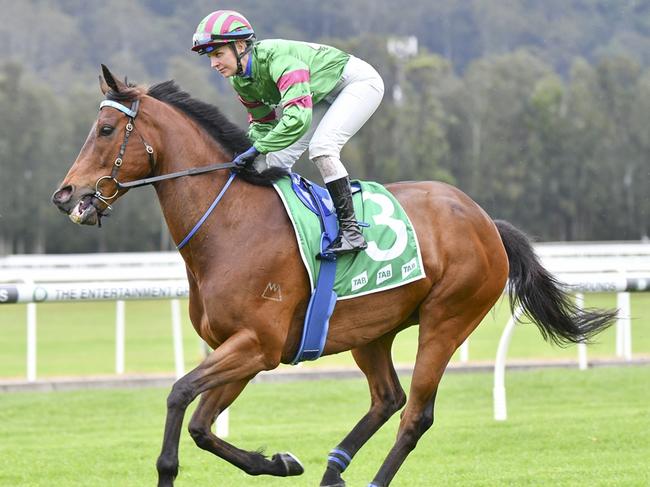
[{"x": 106, "y": 130}]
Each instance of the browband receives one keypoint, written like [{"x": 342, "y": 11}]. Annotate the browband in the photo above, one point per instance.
[{"x": 130, "y": 112}]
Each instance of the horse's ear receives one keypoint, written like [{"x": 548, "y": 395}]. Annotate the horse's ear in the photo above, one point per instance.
[
  {"x": 103, "y": 85},
  {"x": 110, "y": 82}
]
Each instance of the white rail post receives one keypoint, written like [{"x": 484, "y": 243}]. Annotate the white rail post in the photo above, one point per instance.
[
  {"x": 499, "y": 390},
  {"x": 204, "y": 348},
  {"x": 464, "y": 351},
  {"x": 177, "y": 332},
  {"x": 619, "y": 327},
  {"x": 222, "y": 424},
  {"x": 583, "y": 363},
  {"x": 31, "y": 342},
  {"x": 624, "y": 326},
  {"x": 119, "y": 336}
]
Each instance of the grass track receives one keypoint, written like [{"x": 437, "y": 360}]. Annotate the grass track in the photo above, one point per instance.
[{"x": 565, "y": 428}]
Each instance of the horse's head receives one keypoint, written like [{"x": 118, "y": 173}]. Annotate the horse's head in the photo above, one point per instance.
[{"x": 114, "y": 151}]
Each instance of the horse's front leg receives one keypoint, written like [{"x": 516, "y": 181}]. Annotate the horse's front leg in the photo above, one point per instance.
[
  {"x": 213, "y": 402},
  {"x": 240, "y": 357}
]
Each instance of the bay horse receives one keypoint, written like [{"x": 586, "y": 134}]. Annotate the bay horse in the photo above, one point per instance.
[{"x": 248, "y": 243}]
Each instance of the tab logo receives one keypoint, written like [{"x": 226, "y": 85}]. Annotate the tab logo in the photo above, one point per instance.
[
  {"x": 384, "y": 273},
  {"x": 359, "y": 281},
  {"x": 409, "y": 267}
]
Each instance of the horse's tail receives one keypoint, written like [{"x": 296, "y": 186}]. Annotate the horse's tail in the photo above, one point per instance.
[{"x": 542, "y": 297}]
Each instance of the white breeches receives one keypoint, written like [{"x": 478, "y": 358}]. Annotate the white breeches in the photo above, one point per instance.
[{"x": 334, "y": 121}]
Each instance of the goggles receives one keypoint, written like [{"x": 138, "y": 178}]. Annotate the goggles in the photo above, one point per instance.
[
  {"x": 208, "y": 48},
  {"x": 200, "y": 38}
]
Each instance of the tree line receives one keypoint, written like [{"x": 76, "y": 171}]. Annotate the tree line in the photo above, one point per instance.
[{"x": 557, "y": 144}]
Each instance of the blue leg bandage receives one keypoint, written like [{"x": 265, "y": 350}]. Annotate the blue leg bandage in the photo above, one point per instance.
[{"x": 340, "y": 459}]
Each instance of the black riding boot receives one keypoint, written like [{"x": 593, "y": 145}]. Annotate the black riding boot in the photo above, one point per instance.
[{"x": 350, "y": 238}]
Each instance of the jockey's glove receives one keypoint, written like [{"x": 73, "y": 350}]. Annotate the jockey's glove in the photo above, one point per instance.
[{"x": 246, "y": 158}]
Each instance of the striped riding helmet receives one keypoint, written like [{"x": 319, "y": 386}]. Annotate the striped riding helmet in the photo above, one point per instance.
[{"x": 219, "y": 28}]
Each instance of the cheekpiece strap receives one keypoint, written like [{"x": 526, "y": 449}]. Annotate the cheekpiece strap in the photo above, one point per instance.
[{"x": 129, "y": 112}]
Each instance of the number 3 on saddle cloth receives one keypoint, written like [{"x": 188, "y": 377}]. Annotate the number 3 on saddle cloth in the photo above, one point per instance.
[{"x": 392, "y": 258}]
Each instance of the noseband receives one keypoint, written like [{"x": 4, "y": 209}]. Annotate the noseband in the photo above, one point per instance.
[{"x": 131, "y": 113}]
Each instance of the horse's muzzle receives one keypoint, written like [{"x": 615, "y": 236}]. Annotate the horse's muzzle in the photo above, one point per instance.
[
  {"x": 82, "y": 209},
  {"x": 62, "y": 197}
]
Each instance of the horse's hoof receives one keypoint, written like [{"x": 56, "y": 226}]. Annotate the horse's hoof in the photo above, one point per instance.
[
  {"x": 332, "y": 478},
  {"x": 291, "y": 464}
]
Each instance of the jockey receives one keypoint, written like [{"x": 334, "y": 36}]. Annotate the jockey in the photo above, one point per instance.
[{"x": 326, "y": 96}]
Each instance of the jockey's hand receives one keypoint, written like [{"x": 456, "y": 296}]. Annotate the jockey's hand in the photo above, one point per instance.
[{"x": 246, "y": 158}]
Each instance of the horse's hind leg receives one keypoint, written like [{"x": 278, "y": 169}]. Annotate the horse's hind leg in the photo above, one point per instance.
[
  {"x": 438, "y": 339},
  {"x": 212, "y": 403},
  {"x": 387, "y": 397}
]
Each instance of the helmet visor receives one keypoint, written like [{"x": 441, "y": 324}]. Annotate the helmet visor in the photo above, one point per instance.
[
  {"x": 200, "y": 38},
  {"x": 204, "y": 42}
]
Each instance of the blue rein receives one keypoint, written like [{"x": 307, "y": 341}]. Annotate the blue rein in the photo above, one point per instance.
[{"x": 207, "y": 213}]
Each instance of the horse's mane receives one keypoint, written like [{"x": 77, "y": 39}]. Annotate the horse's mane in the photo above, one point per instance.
[{"x": 230, "y": 136}]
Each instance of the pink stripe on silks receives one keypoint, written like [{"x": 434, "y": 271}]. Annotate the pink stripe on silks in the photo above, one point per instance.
[
  {"x": 292, "y": 78},
  {"x": 210, "y": 23},
  {"x": 267, "y": 118},
  {"x": 228, "y": 22},
  {"x": 302, "y": 102},
  {"x": 250, "y": 104}
]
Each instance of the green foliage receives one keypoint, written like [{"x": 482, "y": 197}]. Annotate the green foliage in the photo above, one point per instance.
[
  {"x": 30, "y": 147},
  {"x": 538, "y": 110}
]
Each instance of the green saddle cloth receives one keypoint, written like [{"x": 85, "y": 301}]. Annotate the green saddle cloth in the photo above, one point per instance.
[{"x": 392, "y": 258}]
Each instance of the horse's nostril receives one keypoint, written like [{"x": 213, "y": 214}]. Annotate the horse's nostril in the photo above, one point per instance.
[{"x": 62, "y": 195}]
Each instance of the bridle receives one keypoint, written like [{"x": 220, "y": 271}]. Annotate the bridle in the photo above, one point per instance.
[{"x": 131, "y": 113}]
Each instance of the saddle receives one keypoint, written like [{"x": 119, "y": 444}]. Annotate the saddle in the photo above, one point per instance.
[{"x": 392, "y": 258}]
